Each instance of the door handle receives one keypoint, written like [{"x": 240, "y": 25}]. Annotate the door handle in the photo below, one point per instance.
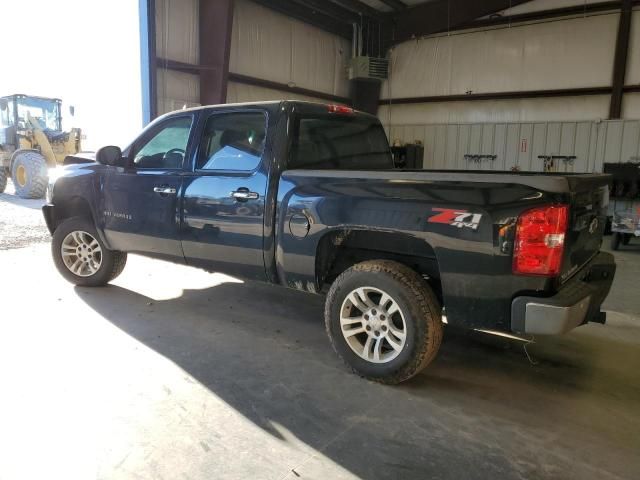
[
  {"x": 244, "y": 194},
  {"x": 165, "y": 190}
]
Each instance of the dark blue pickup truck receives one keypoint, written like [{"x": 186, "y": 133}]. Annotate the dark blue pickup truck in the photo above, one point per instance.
[{"x": 305, "y": 195}]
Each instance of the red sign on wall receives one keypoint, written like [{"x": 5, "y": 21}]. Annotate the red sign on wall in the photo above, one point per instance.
[{"x": 523, "y": 145}]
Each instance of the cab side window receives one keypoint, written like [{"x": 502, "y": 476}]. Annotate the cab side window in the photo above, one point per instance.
[
  {"x": 232, "y": 141},
  {"x": 166, "y": 149}
]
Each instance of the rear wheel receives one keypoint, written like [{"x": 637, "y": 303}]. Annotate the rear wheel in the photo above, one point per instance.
[
  {"x": 29, "y": 174},
  {"x": 383, "y": 320},
  {"x": 616, "y": 238},
  {"x": 81, "y": 257},
  {"x": 3, "y": 179},
  {"x": 626, "y": 239}
]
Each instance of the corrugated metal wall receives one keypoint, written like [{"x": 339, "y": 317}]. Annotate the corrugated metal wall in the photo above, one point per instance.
[
  {"x": 265, "y": 44},
  {"x": 177, "y": 39},
  {"x": 272, "y": 46},
  {"x": 520, "y": 144},
  {"x": 574, "y": 52},
  {"x": 563, "y": 54}
]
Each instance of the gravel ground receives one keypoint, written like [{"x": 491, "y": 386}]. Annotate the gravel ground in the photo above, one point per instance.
[{"x": 21, "y": 221}]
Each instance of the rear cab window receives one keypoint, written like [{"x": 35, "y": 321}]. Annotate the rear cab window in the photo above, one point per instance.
[{"x": 339, "y": 141}]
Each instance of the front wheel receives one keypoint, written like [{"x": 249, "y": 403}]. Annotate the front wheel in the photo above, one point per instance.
[
  {"x": 81, "y": 257},
  {"x": 383, "y": 320}
]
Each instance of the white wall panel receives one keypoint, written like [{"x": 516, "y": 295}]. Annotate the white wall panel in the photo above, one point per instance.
[
  {"x": 521, "y": 144},
  {"x": 177, "y": 90},
  {"x": 177, "y": 30},
  {"x": 633, "y": 66},
  {"x": 525, "y": 110},
  {"x": 239, "y": 92},
  {"x": 564, "y": 54},
  {"x": 268, "y": 45}
]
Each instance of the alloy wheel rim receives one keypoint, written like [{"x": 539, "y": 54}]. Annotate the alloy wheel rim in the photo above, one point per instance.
[
  {"x": 81, "y": 253},
  {"x": 373, "y": 324}
]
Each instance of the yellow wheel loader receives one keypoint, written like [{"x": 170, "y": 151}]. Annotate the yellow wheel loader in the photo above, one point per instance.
[{"x": 32, "y": 141}]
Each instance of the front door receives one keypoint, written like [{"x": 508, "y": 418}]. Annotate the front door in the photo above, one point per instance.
[
  {"x": 141, "y": 203},
  {"x": 224, "y": 197}
]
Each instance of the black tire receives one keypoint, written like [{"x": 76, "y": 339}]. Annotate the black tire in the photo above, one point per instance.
[
  {"x": 111, "y": 263},
  {"x": 418, "y": 304},
  {"x": 3, "y": 179},
  {"x": 616, "y": 238},
  {"x": 626, "y": 238},
  {"x": 29, "y": 174}
]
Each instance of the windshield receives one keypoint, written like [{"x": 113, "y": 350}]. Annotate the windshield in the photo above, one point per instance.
[
  {"x": 46, "y": 112},
  {"x": 339, "y": 142}
]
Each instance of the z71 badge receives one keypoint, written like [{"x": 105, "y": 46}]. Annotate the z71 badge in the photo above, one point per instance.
[{"x": 456, "y": 218}]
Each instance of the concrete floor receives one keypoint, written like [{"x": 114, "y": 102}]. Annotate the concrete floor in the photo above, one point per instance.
[{"x": 172, "y": 373}]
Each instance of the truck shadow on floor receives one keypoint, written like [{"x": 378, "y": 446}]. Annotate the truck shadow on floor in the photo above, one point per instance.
[{"x": 481, "y": 410}]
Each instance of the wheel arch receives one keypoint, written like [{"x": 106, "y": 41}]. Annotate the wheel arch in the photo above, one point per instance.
[
  {"x": 342, "y": 248},
  {"x": 75, "y": 206}
]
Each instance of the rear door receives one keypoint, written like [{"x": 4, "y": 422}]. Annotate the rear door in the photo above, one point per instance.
[
  {"x": 224, "y": 196},
  {"x": 140, "y": 204}
]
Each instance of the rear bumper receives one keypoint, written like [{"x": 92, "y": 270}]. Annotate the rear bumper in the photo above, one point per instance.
[
  {"x": 578, "y": 302},
  {"x": 49, "y": 217}
]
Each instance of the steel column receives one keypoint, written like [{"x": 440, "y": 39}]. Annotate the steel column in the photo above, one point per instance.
[
  {"x": 216, "y": 23},
  {"x": 620, "y": 59},
  {"x": 148, "y": 60}
]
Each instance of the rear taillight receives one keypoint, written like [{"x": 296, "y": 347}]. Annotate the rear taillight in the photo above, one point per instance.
[
  {"x": 341, "y": 109},
  {"x": 539, "y": 245}
]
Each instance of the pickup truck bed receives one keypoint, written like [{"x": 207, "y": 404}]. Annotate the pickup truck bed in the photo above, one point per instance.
[{"x": 304, "y": 195}]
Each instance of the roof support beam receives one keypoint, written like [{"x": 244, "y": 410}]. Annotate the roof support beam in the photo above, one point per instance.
[
  {"x": 361, "y": 8},
  {"x": 336, "y": 12},
  {"x": 442, "y": 15},
  {"x": 283, "y": 87},
  {"x": 216, "y": 23},
  {"x": 395, "y": 4},
  {"x": 317, "y": 18},
  {"x": 585, "y": 9},
  {"x": 620, "y": 59},
  {"x": 248, "y": 80},
  {"x": 566, "y": 92}
]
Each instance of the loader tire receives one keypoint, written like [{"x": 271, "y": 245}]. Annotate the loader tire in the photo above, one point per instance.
[
  {"x": 3, "y": 179},
  {"x": 29, "y": 174}
]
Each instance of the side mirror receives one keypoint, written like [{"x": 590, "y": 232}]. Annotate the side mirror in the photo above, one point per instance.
[
  {"x": 3, "y": 104},
  {"x": 72, "y": 110},
  {"x": 110, "y": 155}
]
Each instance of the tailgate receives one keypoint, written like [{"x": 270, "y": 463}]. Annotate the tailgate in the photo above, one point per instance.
[{"x": 588, "y": 217}]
